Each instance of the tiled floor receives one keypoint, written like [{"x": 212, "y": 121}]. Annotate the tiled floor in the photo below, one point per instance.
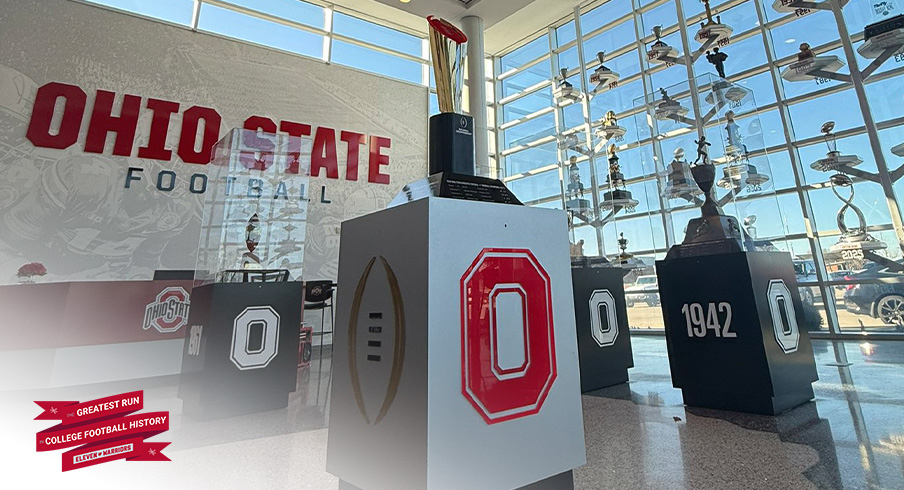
[{"x": 639, "y": 435}]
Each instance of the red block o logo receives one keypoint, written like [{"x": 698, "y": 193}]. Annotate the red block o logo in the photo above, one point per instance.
[{"x": 503, "y": 394}]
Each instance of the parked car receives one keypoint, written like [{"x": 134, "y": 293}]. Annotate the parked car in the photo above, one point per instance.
[
  {"x": 805, "y": 271},
  {"x": 884, "y": 301},
  {"x": 644, "y": 290}
]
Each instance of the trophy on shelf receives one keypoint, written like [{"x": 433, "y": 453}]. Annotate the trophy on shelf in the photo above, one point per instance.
[
  {"x": 809, "y": 66},
  {"x": 450, "y": 154},
  {"x": 451, "y": 132},
  {"x": 739, "y": 171},
  {"x": 660, "y": 51},
  {"x": 603, "y": 77},
  {"x": 617, "y": 197},
  {"x": 565, "y": 93},
  {"x": 886, "y": 31},
  {"x": 609, "y": 128},
  {"x": 575, "y": 202},
  {"x": 679, "y": 181},
  {"x": 668, "y": 108},
  {"x": 714, "y": 232},
  {"x": 853, "y": 241},
  {"x": 722, "y": 88},
  {"x": 712, "y": 31},
  {"x": 834, "y": 160},
  {"x": 250, "y": 260},
  {"x": 625, "y": 259},
  {"x": 736, "y": 147},
  {"x": 717, "y": 59}
]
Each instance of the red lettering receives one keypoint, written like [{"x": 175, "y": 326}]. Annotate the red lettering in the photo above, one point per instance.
[
  {"x": 377, "y": 159},
  {"x": 298, "y": 130},
  {"x": 42, "y": 116},
  {"x": 295, "y": 129},
  {"x": 103, "y": 122},
  {"x": 190, "y": 121},
  {"x": 156, "y": 147},
  {"x": 261, "y": 145},
  {"x": 265, "y": 124},
  {"x": 354, "y": 140},
  {"x": 324, "y": 154}
]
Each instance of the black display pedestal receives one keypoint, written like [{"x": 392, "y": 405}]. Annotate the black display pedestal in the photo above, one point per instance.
[
  {"x": 241, "y": 348},
  {"x": 601, "y": 317},
  {"x": 732, "y": 323}
]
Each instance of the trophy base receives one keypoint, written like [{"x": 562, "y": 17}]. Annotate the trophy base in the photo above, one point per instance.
[
  {"x": 709, "y": 235},
  {"x": 749, "y": 350},
  {"x": 854, "y": 242},
  {"x": 723, "y": 89},
  {"x": 456, "y": 186},
  {"x": 684, "y": 190},
  {"x": 801, "y": 70},
  {"x": 604, "y": 337},
  {"x": 580, "y": 206},
  {"x": 451, "y": 144},
  {"x": 617, "y": 195},
  {"x": 834, "y": 161},
  {"x": 883, "y": 27},
  {"x": 662, "y": 53},
  {"x": 670, "y": 111},
  {"x": 713, "y": 33},
  {"x": 611, "y": 132}
]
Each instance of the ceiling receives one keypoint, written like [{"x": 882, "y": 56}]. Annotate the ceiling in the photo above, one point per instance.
[{"x": 506, "y": 22}]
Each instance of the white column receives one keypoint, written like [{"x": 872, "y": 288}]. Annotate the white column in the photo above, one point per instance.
[{"x": 477, "y": 92}]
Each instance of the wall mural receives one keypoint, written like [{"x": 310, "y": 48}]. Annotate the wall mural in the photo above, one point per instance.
[{"x": 83, "y": 196}]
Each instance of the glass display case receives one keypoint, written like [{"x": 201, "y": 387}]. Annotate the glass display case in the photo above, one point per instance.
[{"x": 255, "y": 209}]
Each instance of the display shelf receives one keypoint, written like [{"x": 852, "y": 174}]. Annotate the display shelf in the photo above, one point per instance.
[
  {"x": 603, "y": 78},
  {"x": 797, "y": 6},
  {"x": 816, "y": 67}
]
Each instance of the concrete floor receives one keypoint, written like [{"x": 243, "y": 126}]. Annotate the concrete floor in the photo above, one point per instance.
[{"x": 638, "y": 435}]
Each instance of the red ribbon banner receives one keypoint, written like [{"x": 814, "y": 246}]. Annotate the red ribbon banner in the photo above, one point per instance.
[{"x": 105, "y": 429}]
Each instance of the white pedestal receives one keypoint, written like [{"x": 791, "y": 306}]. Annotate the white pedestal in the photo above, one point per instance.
[{"x": 455, "y": 356}]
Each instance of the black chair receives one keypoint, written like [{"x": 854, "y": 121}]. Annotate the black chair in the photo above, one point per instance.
[{"x": 318, "y": 295}]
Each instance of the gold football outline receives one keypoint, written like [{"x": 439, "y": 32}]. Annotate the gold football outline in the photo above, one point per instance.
[{"x": 398, "y": 358}]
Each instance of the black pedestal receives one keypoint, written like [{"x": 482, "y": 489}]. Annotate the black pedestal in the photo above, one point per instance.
[
  {"x": 451, "y": 144},
  {"x": 241, "y": 348},
  {"x": 604, "y": 339},
  {"x": 733, "y": 327}
]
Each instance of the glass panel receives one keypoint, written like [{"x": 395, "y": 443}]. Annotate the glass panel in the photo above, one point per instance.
[
  {"x": 610, "y": 40},
  {"x": 376, "y": 62},
  {"x": 604, "y": 14},
  {"x": 177, "y": 11},
  {"x": 375, "y": 34},
  {"x": 517, "y": 83},
  {"x": 535, "y": 101},
  {"x": 529, "y": 131},
  {"x": 241, "y": 26},
  {"x": 815, "y": 29},
  {"x": 298, "y": 11},
  {"x": 531, "y": 158},
  {"x": 529, "y": 52}
]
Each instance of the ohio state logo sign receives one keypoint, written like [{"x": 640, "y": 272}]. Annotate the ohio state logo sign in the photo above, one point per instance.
[
  {"x": 169, "y": 312},
  {"x": 508, "y": 283}
]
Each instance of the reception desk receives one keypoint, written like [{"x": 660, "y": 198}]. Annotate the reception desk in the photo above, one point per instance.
[{"x": 70, "y": 333}]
